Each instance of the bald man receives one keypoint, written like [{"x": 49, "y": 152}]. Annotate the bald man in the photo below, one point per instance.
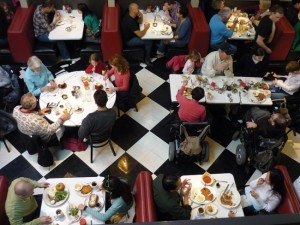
[
  {"x": 20, "y": 204},
  {"x": 131, "y": 31}
]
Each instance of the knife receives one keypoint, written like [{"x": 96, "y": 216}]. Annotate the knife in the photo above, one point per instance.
[{"x": 225, "y": 189}]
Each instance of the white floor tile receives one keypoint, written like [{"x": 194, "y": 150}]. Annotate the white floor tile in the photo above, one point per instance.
[
  {"x": 40, "y": 191},
  {"x": 232, "y": 146},
  {"x": 254, "y": 176},
  {"x": 5, "y": 156},
  {"x": 292, "y": 147},
  {"x": 148, "y": 81}
]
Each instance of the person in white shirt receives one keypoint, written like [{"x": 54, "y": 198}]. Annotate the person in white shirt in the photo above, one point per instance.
[
  {"x": 219, "y": 62},
  {"x": 265, "y": 193},
  {"x": 290, "y": 85}
]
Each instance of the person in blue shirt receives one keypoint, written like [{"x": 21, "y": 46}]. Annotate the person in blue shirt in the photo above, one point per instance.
[
  {"x": 182, "y": 34},
  {"x": 218, "y": 30},
  {"x": 37, "y": 77}
]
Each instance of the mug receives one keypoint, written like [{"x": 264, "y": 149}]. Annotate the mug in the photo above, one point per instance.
[
  {"x": 94, "y": 185},
  {"x": 200, "y": 211},
  {"x": 59, "y": 213},
  {"x": 232, "y": 213}
]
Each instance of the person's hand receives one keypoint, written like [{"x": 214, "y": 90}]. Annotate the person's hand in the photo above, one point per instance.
[
  {"x": 254, "y": 194},
  {"x": 274, "y": 81},
  {"x": 222, "y": 66},
  {"x": 184, "y": 82},
  {"x": 44, "y": 184},
  {"x": 167, "y": 13},
  {"x": 52, "y": 83},
  {"x": 275, "y": 75},
  {"x": 80, "y": 207},
  {"x": 260, "y": 181},
  {"x": 186, "y": 187},
  {"x": 147, "y": 26},
  {"x": 110, "y": 90},
  {"x": 251, "y": 125},
  {"x": 139, "y": 14},
  {"x": 47, "y": 88},
  {"x": 65, "y": 116},
  {"x": 45, "y": 219},
  {"x": 269, "y": 51},
  {"x": 236, "y": 20},
  {"x": 44, "y": 111}
]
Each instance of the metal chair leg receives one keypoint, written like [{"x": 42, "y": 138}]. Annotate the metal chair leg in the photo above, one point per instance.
[
  {"x": 112, "y": 148},
  {"x": 6, "y": 145},
  {"x": 91, "y": 153}
]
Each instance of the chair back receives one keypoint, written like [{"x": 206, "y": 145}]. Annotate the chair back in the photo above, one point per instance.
[
  {"x": 135, "y": 90},
  {"x": 7, "y": 123},
  {"x": 96, "y": 138}
]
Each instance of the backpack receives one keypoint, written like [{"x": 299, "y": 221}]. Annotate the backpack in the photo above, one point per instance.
[{"x": 74, "y": 144}]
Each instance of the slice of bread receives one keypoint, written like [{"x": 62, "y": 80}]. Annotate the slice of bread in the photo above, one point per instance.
[{"x": 93, "y": 199}]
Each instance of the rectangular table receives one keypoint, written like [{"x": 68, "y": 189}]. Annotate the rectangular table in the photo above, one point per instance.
[
  {"x": 244, "y": 30},
  {"x": 154, "y": 33},
  {"x": 70, "y": 28},
  {"x": 222, "y": 212},
  {"x": 74, "y": 198}
]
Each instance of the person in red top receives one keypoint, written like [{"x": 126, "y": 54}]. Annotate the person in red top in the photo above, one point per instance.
[
  {"x": 190, "y": 109},
  {"x": 120, "y": 69},
  {"x": 96, "y": 65}
]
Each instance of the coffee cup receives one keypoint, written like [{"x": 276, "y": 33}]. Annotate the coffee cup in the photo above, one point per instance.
[
  {"x": 94, "y": 185},
  {"x": 201, "y": 211},
  {"x": 232, "y": 213},
  {"x": 59, "y": 213}
]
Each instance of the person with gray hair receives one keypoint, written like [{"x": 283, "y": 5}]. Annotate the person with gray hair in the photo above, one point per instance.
[
  {"x": 219, "y": 31},
  {"x": 37, "y": 76},
  {"x": 20, "y": 206},
  {"x": 31, "y": 122}
]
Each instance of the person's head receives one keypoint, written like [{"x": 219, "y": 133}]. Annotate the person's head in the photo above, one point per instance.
[
  {"x": 218, "y": 4},
  {"x": 94, "y": 59},
  {"x": 83, "y": 9},
  {"x": 28, "y": 101},
  {"x": 171, "y": 182},
  {"x": 278, "y": 120},
  {"x": 34, "y": 63},
  {"x": 194, "y": 56},
  {"x": 117, "y": 187},
  {"x": 264, "y": 4},
  {"x": 100, "y": 97},
  {"x": 169, "y": 4},
  {"x": 23, "y": 189},
  {"x": 225, "y": 14},
  {"x": 134, "y": 9},
  {"x": 119, "y": 63},
  {"x": 48, "y": 6},
  {"x": 197, "y": 93},
  {"x": 4, "y": 6},
  {"x": 277, "y": 13},
  {"x": 225, "y": 51},
  {"x": 259, "y": 54},
  {"x": 276, "y": 179},
  {"x": 296, "y": 4},
  {"x": 182, "y": 12},
  {"x": 292, "y": 67}
]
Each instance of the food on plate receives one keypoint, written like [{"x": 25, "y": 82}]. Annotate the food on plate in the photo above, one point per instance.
[
  {"x": 226, "y": 199},
  {"x": 60, "y": 187},
  {"x": 73, "y": 211},
  {"x": 78, "y": 187},
  {"x": 98, "y": 86},
  {"x": 209, "y": 208},
  {"x": 93, "y": 199},
  {"x": 78, "y": 109},
  {"x": 60, "y": 195},
  {"x": 165, "y": 29},
  {"x": 207, "y": 194},
  {"x": 86, "y": 189},
  {"x": 265, "y": 86},
  {"x": 57, "y": 112},
  {"x": 188, "y": 91},
  {"x": 207, "y": 178},
  {"x": 65, "y": 111},
  {"x": 261, "y": 97},
  {"x": 200, "y": 198},
  {"x": 64, "y": 96},
  {"x": 242, "y": 21},
  {"x": 61, "y": 106},
  {"x": 87, "y": 79},
  {"x": 62, "y": 85},
  {"x": 255, "y": 94}
]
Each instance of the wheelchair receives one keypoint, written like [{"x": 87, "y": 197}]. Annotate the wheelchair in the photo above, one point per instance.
[{"x": 178, "y": 134}]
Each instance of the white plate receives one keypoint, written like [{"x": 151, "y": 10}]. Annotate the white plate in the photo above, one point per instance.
[
  {"x": 100, "y": 200},
  {"x": 72, "y": 218},
  {"x": 236, "y": 200},
  {"x": 214, "y": 209},
  {"x": 197, "y": 191},
  {"x": 48, "y": 201},
  {"x": 252, "y": 98},
  {"x": 84, "y": 195}
]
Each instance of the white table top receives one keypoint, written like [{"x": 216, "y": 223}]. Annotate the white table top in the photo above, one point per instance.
[
  {"x": 154, "y": 33},
  {"x": 218, "y": 98},
  {"x": 85, "y": 100},
  {"x": 74, "y": 198},
  {"x": 242, "y": 35},
  {"x": 222, "y": 211},
  {"x": 72, "y": 20}
]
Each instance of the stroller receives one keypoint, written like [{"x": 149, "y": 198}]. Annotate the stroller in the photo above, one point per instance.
[
  {"x": 262, "y": 153},
  {"x": 188, "y": 143}
]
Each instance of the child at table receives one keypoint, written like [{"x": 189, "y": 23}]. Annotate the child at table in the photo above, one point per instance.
[{"x": 96, "y": 65}]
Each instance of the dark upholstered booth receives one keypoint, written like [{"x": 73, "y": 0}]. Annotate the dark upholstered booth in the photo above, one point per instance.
[{"x": 4, "y": 185}]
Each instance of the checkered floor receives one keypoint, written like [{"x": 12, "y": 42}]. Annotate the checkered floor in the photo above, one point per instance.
[{"x": 141, "y": 142}]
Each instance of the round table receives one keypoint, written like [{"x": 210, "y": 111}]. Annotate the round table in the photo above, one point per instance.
[{"x": 85, "y": 99}]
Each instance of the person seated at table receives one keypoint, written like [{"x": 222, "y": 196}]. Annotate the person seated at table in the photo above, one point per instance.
[
  {"x": 180, "y": 61},
  {"x": 132, "y": 34},
  {"x": 214, "y": 8},
  {"x": 290, "y": 85},
  {"x": 169, "y": 203},
  {"x": 9, "y": 14},
  {"x": 91, "y": 23},
  {"x": 171, "y": 8},
  {"x": 190, "y": 109},
  {"x": 266, "y": 28},
  {"x": 120, "y": 69},
  {"x": 219, "y": 62},
  {"x": 292, "y": 12},
  {"x": 120, "y": 197},
  {"x": 42, "y": 26},
  {"x": 99, "y": 121},
  {"x": 31, "y": 122},
  {"x": 182, "y": 34},
  {"x": 264, "y": 194},
  {"x": 3, "y": 29},
  {"x": 21, "y": 206},
  {"x": 252, "y": 64},
  {"x": 37, "y": 77},
  {"x": 219, "y": 32},
  {"x": 96, "y": 65}
]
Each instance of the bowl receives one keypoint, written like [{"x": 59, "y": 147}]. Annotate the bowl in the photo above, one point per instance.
[
  {"x": 207, "y": 179},
  {"x": 78, "y": 187}
]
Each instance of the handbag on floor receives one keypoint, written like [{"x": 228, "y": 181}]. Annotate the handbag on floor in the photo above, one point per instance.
[{"x": 74, "y": 144}]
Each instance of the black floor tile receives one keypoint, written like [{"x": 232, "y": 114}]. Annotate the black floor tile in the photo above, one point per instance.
[
  {"x": 162, "y": 129},
  {"x": 162, "y": 95},
  {"x": 16, "y": 139},
  {"x": 159, "y": 68},
  {"x": 135, "y": 67},
  {"x": 20, "y": 167},
  {"x": 292, "y": 166},
  {"x": 126, "y": 132},
  {"x": 125, "y": 167},
  {"x": 72, "y": 165}
]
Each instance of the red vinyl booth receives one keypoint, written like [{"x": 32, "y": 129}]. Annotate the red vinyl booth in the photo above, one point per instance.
[{"x": 4, "y": 185}]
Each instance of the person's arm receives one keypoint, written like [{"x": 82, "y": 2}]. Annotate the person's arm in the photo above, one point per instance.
[
  {"x": 125, "y": 83},
  {"x": 260, "y": 42},
  {"x": 229, "y": 71},
  {"x": 47, "y": 128},
  {"x": 179, "y": 95},
  {"x": 203, "y": 115},
  {"x": 292, "y": 87},
  {"x": 31, "y": 87},
  {"x": 208, "y": 68},
  {"x": 49, "y": 74},
  {"x": 271, "y": 203},
  {"x": 141, "y": 33},
  {"x": 110, "y": 72},
  {"x": 183, "y": 29},
  {"x": 84, "y": 129},
  {"x": 89, "y": 69},
  {"x": 180, "y": 212},
  {"x": 188, "y": 67},
  {"x": 19, "y": 221}
]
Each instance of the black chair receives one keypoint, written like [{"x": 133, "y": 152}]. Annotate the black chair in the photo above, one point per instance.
[
  {"x": 7, "y": 125},
  {"x": 97, "y": 140}
]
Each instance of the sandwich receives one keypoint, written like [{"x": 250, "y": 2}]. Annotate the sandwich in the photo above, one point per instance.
[{"x": 93, "y": 199}]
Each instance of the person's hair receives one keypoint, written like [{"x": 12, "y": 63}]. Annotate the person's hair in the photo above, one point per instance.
[
  {"x": 280, "y": 120},
  {"x": 95, "y": 57},
  {"x": 294, "y": 2},
  {"x": 47, "y": 4},
  {"x": 225, "y": 12},
  {"x": 197, "y": 93},
  {"x": 170, "y": 2},
  {"x": 84, "y": 9},
  {"x": 100, "y": 97},
  {"x": 21, "y": 188},
  {"x": 183, "y": 11},
  {"x": 277, "y": 181},
  {"x": 277, "y": 9},
  {"x": 194, "y": 55},
  {"x": 265, "y": 4},
  {"x": 28, "y": 100},
  {"x": 259, "y": 52},
  {"x": 2, "y": 4},
  {"x": 292, "y": 67},
  {"x": 169, "y": 182},
  {"x": 34, "y": 62},
  {"x": 120, "y": 62},
  {"x": 216, "y": 4},
  {"x": 118, "y": 188}
]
